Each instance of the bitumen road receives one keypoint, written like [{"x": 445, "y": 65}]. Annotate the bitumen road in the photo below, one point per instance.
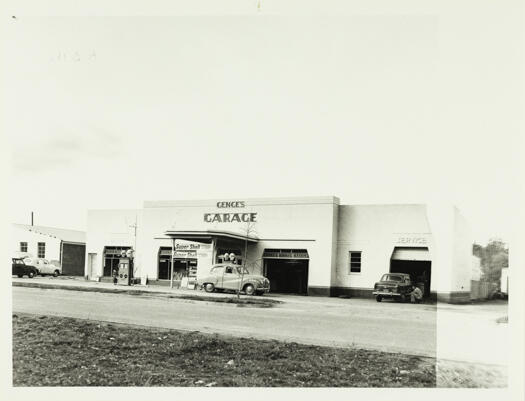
[{"x": 388, "y": 326}]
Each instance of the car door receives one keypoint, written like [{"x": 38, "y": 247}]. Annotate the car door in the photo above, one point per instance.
[
  {"x": 217, "y": 273},
  {"x": 18, "y": 267},
  {"x": 230, "y": 278},
  {"x": 43, "y": 266}
]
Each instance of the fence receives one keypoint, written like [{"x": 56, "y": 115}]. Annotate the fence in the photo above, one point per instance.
[{"x": 480, "y": 289}]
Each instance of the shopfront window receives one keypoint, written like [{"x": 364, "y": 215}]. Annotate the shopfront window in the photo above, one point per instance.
[{"x": 111, "y": 258}]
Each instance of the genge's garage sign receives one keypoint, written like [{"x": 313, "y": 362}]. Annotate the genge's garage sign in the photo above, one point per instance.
[{"x": 230, "y": 217}]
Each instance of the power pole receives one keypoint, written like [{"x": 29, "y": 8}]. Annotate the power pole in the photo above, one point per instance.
[{"x": 134, "y": 226}]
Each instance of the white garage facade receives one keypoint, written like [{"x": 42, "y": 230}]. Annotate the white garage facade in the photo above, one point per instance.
[{"x": 307, "y": 245}]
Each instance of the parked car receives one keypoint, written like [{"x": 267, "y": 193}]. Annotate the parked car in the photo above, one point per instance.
[
  {"x": 393, "y": 285},
  {"x": 21, "y": 269},
  {"x": 229, "y": 276},
  {"x": 44, "y": 267}
]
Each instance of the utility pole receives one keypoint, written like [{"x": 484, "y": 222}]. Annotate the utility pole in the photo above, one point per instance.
[
  {"x": 171, "y": 261},
  {"x": 134, "y": 226}
]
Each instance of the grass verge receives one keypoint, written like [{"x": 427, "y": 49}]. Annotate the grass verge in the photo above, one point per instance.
[{"x": 56, "y": 351}]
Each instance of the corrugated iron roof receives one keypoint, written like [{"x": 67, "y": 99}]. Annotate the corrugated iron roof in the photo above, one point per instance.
[{"x": 60, "y": 233}]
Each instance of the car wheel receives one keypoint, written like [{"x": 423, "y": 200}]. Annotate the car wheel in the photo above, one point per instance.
[
  {"x": 56, "y": 273},
  {"x": 249, "y": 289},
  {"x": 20, "y": 275},
  {"x": 31, "y": 274},
  {"x": 402, "y": 298},
  {"x": 209, "y": 287},
  {"x": 379, "y": 298}
]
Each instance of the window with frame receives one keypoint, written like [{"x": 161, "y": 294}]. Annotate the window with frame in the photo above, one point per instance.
[
  {"x": 41, "y": 249},
  {"x": 355, "y": 262},
  {"x": 23, "y": 247}
]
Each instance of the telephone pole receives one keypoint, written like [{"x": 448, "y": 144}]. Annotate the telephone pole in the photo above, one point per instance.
[{"x": 134, "y": 226}]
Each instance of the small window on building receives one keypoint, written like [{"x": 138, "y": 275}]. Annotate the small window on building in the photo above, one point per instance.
[
  {"x": 41, "y": 249},
  {"x": 23, "y": 247},
  {"x": 355, "y": 262}
]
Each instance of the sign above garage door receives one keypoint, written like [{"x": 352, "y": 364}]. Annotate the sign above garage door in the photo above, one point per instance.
[
  {"x": 406, "y": 253},
  {"x": 285, "y": 254}
]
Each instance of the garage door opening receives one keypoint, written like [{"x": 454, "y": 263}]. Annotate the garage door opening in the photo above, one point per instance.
[
  {"x": 287, "y": 270},
  {"x": 417, "y": 263}
]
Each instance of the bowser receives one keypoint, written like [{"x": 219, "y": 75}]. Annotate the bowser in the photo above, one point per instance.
[{"x": 125, "y": 268}]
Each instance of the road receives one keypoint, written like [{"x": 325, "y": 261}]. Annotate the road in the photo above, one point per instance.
[
  {"x": 455, "y": 332},
  {"x": 341, "y": 324}
]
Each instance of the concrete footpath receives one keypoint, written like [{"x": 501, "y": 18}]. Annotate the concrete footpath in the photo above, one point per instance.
[{"x": 81, "y": 284}]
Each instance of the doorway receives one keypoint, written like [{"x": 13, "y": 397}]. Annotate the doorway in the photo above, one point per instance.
[
  {"x": 289, "y": 276},
  {"x": 415, "y": 262}
]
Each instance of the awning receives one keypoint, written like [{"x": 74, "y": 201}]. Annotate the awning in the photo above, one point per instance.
[
  {"x": 190, "y": 235},
  {"x": 404, "y": 253}
]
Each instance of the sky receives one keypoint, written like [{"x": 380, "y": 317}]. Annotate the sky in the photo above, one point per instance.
[{"x": 414, "y": 104}]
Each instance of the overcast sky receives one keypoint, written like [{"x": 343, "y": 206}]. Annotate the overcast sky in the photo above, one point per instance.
[{"x": 371, "y": 105}]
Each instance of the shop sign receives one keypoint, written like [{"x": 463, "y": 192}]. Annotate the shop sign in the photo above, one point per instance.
[
  {"x": 411, "y": 240},
  {"x": 230, "y": 217},
  {"x": 230, "y": 204},
  {"x": 187, "y": 246},
  {"x": 185, "y": 254}
]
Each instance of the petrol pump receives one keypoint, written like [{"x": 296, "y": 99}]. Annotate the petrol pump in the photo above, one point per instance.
[{"x": 125, "y": 268}]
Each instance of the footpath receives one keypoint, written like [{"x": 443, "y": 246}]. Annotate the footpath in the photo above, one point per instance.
[{"x": 81, "y": 284}]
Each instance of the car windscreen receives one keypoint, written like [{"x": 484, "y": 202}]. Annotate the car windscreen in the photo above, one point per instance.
[{"x": 390, "y": 277}]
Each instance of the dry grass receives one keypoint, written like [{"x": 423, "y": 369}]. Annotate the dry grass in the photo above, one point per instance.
[
  {"x": 53, "y": 351},
  {"x": 469, "y": 375}
]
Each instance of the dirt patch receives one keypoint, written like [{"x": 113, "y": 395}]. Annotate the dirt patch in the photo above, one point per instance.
[{"x": 55, "y": 351}]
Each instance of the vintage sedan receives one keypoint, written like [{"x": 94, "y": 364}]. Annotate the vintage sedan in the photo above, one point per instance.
[
  {"x": 231, "y": 277},
  {"x": 21, "y": 269},
  {"x": 45, "y": 266},
  {"x": 393, "y": 285}
]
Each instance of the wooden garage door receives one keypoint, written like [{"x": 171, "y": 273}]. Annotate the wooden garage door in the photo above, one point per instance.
[{"x": 73, "y": 258}]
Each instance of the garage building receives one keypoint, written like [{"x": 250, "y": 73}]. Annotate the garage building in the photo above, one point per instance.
[
  {"x": 63, "y": 245},
  {"x": 308, "y": 245}
]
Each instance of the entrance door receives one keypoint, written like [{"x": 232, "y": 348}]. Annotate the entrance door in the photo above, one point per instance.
[
  {"x": 287, "y": 275},
  {"x": 92, "y": 257},
  {"x": 73, "y": 259},
  {"x": 416, "y": 262}
]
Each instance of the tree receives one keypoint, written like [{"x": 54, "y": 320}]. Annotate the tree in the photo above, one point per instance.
[
  {"x": 250, "y": 229},
  {"x": 494, "y": 257}
]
